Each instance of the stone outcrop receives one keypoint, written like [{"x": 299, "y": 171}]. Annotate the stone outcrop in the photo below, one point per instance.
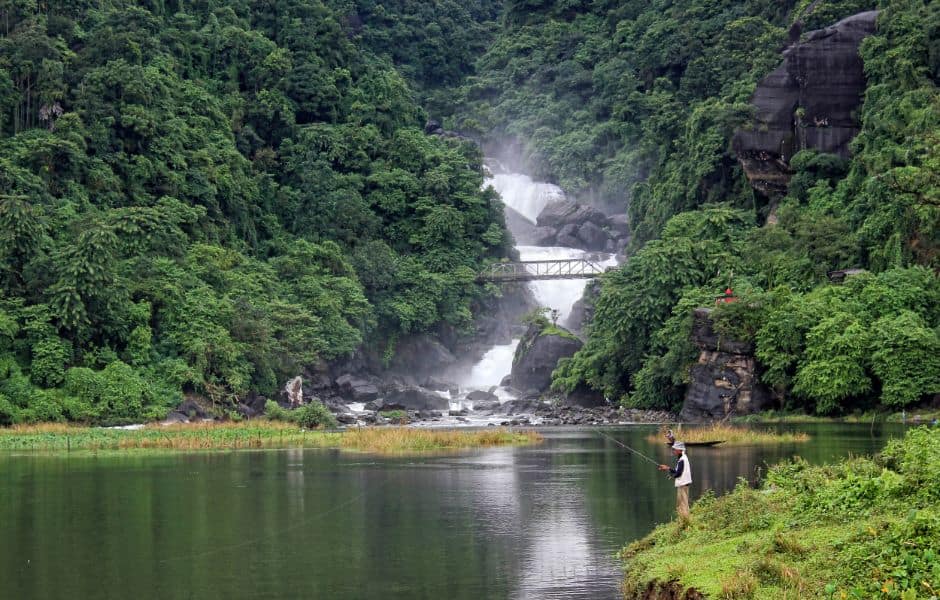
[
  {"x": 409, "y": 397},
  {"x": 810, "y": 101},
  {"x": 574, "y": 225},
  {"x": 537, "y": 355},
  {"x": 725, "y": 379}
]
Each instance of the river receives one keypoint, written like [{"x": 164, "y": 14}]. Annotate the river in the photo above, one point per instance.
[{"x": 537, "y": 522}]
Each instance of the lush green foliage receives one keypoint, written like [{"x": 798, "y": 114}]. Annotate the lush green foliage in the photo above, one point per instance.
[
  {"x": 827, "y": 349},
  {"x": 864, "y": 528},
  {"x": 207, "y": 197},
  {"x": 310, "y": 415}
]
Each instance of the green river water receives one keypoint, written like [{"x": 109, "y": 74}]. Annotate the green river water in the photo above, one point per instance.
[{"x": 535, "y": 522}]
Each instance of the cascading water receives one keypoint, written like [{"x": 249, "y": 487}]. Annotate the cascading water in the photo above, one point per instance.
[{"x": 527, "y": 197}]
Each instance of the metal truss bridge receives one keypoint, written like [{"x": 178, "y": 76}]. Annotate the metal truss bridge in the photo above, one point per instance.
[{"x": 534, "y": 270}]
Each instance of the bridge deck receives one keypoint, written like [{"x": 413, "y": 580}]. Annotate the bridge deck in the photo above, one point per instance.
[{"x": 533, "y": 270}]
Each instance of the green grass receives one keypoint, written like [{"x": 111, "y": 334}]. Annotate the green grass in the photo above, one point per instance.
[
  {"x": 729, "y": 435},
  {"x": 254, "y": 434},
  {"x": 864, "y": 528},
  {"x": 777, "y": 417}
]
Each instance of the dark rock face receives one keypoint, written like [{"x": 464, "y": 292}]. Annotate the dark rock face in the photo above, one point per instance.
[
  {"x": 725, "y": 379},
  {"x": 419, "y": 357},
  {"x": 537, "y": 356},
  {"x": 594, "y": 237},
  {"x": 569, "y": 212},
  {"x": 356, "y": 389},
  {"x": 809, "y": 102},
  {"x": 523, "y": 230},
  {"x": 584, "y": 397},
  {"x": 408, "y": 397}
]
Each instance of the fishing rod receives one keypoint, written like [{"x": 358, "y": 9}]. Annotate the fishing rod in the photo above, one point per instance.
[{"x": 621, "y": 444}]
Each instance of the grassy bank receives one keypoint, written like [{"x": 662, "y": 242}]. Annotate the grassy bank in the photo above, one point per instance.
[
  {"x": 922, "y": 416},
  {"x": 864, "y": 528},
  {"x": 730, "y": 435},
  {"x": 254, "y": 434}
]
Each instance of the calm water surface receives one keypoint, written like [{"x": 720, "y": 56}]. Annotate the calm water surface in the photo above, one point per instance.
[{"x": 538, "y": 522}]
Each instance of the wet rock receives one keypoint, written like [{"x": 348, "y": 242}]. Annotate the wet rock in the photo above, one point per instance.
[
  {"x": 585, "y": 397},
  {"x": 481, "y": 396},
  {"x": 569, "y": 212},
  {"x": 568, "y": 237},
  {"x": 294, "y": 392},
  {"x": 515, "y": 407},
  {"x": 523, "y": 230},
  {"x": 174, "y": 418},
  {"x": 346, "y": 419},
  {"x": 506, "y": 381},
  {"x": 408, "y": 397},
  {"x": 619, "y": 224},
  {"x": 592, "y": 237},
  {"x": 357, "y": 389},
  {"x": 458, "y": 413},
  {"x": 544, "y": 236},
  {"x": 537, "y": 356},
  {"x": 811, "y": 101},
  {"x": 419, "y": 357}
]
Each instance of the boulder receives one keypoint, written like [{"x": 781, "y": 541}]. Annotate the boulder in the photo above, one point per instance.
[
  {"x": 419, "y": 357},
  {"x": 537, "y": 356},
  {"x": 544, "y": 236},
  {"x": 568, "y": 212},
  {"x": 481, "y": 396},
  {"x": 619, "y": 224},
  {"x": 409, "y": 397},
  {"x": 357, "y": 389},
  {"x": 506, "y": 381},
  {"x": 592, "y": 237},
  {"x": 811, "y": 101},
  {"x": 568, "y": 236},
  {"x": 174, "y": 418},
  {"x": 294, "y": 392},
  {"x": 346, "y": 419},
  {"x": 516, "y": 407}
]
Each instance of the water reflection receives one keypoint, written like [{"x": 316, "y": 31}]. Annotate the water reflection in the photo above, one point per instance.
[{"x": 540, "y": 522}]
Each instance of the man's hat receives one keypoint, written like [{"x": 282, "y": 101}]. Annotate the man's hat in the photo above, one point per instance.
[{"x": 679, "y": 446}]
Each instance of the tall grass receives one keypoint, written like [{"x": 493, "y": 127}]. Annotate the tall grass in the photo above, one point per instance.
[
  {"x": 729, "y": 435},
  {"x": 255, "y": 434}
]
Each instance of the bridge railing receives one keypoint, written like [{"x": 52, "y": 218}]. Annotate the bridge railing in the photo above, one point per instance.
[{"x": 531, "y": 270}]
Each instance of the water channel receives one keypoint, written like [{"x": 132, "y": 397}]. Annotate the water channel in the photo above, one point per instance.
[{"x": 537, "y": 522}]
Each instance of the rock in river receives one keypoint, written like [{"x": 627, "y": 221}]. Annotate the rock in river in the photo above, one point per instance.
[{"x": 537, "y": 356}]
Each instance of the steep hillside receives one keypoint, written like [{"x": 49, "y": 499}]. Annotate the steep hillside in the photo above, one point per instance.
[{"x": 208, "y": 197}]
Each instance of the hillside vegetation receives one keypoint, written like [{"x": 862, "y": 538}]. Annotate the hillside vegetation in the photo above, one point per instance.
[
  {"x": 206, "y": 197},
  {"x": 636, "y": 103}
]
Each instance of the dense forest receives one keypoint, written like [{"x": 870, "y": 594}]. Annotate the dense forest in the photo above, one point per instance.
[
  {"x": 638, "y": 101},
  {"x": 207, "y": 197}
]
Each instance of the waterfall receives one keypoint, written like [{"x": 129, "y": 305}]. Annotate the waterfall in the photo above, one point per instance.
[
  {"x": 529, "y": 198},
  {"x": 523, "y": 195}
]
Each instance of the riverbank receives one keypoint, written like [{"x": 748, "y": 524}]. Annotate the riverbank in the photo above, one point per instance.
[
  {"x": 253, "y": 435},
  {"x": 863, "y": 528},
  {"x": 915, "y": 417}
]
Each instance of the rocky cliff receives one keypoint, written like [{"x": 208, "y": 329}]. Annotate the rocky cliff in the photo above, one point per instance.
[
  {"x": 724, "y": 380},
  {"x": 810, "y": 101}
]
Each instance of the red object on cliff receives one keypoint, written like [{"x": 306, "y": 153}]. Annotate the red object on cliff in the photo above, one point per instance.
[{"x": 727, "y": 298}]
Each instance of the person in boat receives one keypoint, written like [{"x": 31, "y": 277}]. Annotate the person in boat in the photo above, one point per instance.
[{"x": 682, "y": 474}]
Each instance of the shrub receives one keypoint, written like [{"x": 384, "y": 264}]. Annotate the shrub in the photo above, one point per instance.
[{"x": 314, "y": 414}]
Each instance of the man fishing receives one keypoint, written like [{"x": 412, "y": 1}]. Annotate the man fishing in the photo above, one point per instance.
[{"x": 682, "y": 473}]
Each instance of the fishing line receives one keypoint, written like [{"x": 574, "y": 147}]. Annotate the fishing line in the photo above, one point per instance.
[
  {"x": 296, "y": 525},
  {"x": 621, "y": 444}
]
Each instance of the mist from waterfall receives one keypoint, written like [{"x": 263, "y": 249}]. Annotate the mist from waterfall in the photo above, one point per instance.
[
  {"x": 523, "y": 195},
  {"x": 529, "y": 198}
]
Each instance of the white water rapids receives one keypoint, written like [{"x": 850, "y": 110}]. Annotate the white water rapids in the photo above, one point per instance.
[{"x": 529, "y": 198}]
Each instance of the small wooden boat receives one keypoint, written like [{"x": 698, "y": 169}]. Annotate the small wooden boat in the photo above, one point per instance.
[{"x": 707, "y": 444}]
